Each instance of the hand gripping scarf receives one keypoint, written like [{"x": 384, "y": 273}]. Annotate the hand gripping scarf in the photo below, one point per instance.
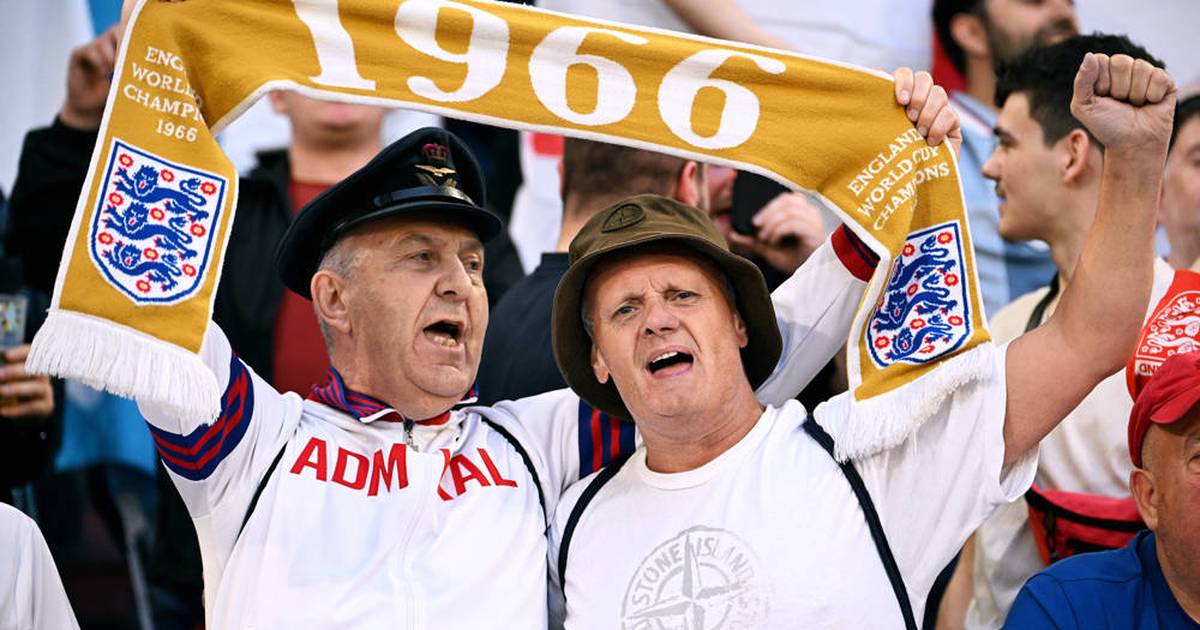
[{"x": 139, "y": 272}]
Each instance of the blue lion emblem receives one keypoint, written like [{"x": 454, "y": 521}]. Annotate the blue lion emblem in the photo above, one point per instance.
[
  {"x": 135, "y": 224},
  {"x": 929, "y": 298},
  {"x": 922, "y": 313},
  {"x": 152, "y": 231},
  {"x": 143, "y": 187},
  {"x": 128, "y": 259},
  {"x": 907, "y": 343}
]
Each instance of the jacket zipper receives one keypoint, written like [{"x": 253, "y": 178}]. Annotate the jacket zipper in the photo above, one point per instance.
[
  {"x": 408, "y": 435},
  {"x": 429, "y": 492}
]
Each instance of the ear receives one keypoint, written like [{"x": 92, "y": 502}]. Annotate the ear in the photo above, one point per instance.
[
  {"x": 562, "y": 182},
  {"x": 1141, "y": 485},
  {"x": 969, "y": 33},
  {"x": 687, "y": 188},
  {"x": 278, "y": 101},
  {"x": 1078, "y": 155},
  {"x": 739, "y": 327},
  {"x": 599, "y": 367},
  {"x": 329, "y": 293}
]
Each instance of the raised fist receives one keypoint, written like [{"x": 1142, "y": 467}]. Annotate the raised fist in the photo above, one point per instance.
[{"x": 1127, "y": 104}]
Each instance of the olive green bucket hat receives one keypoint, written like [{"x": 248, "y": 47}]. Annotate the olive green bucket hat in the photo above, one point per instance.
[{"x": 624, "y": 228}]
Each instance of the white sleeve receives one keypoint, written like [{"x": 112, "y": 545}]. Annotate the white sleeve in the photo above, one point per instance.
[
  {"x": 221, "y": 463},
  {"x": 566, "y": 438},
  {"x": 939, "y": 485},
  {"x": 814, "y": 309},
  {"x": 31, "y": 593}
]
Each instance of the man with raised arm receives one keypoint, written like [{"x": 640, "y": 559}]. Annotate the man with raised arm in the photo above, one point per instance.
[
  {"x": 383, "y": 500},
  {"x": 731, "y": 513}
]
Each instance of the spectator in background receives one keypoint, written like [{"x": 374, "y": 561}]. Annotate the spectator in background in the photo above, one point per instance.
[
  {"x": 30, "y": 422},
  {"x": 29, "y": 425},
  {"x": 1181, "y": 186},
  {"x": 979, "y": 36},
  {"x": 1155, "y": 581},
  {"x": 329, "y": 141},
  {"x": 1047, "y": 171}
]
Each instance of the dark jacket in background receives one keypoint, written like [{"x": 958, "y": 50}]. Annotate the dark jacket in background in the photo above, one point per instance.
[{"x": 518, "y": 358}]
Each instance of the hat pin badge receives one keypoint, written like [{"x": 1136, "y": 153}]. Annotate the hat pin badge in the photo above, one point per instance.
[{"x": 623, "y": 217}]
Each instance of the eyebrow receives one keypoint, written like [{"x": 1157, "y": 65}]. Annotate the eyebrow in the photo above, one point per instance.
[
  {"x": 1003, "y": 134},
  {"x": 417, "y": 239},
  {"x": 629, "y": 297},
  {"x": 472, "y": 246}
]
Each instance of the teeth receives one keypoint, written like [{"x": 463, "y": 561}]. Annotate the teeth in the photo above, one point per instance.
[
  {"x": 443, "y": 340},
  {"x": 665, "y": 356}
]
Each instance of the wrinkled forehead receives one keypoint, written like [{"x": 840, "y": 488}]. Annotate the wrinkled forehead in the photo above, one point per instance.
[
  {"x": 419, "y": 229},
  {"x": 659, "y": 263}
]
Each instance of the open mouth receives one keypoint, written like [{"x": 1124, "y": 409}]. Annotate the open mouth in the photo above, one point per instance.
[
  {"x": 667, "y": 360},
  {"x": 445, "y": 333}
]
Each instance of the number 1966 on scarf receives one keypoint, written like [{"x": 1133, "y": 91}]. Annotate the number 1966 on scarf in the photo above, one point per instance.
[{"x": 486, "y": 58}]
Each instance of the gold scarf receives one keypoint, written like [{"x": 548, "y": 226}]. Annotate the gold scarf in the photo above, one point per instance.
[{"x": 139, "y": 273}]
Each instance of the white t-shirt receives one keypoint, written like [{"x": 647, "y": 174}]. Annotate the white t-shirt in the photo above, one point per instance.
[
  {"x": 357, "y": 529},
  {"x": 1087, "y": 452},
  {"x": 769, "y": 534},
  {"x": 31, "y": 593}
]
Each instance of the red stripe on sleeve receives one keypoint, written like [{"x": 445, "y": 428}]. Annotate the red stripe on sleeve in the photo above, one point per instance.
[{"x": 850, "y": 255}]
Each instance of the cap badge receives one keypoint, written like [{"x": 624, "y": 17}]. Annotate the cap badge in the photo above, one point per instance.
[
  {"x": 436, "y": 153},
  {"x": 436, "y": 173},
  {"x": 623, "y": 217}
]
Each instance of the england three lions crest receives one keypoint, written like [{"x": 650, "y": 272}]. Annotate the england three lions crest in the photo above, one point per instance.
[
  {"x": 152, "y": 232},
  {"x": 1173, "y": 329},
  {"x": 923, "y": 311}
]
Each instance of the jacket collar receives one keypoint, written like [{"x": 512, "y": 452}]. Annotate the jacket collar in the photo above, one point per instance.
[{"x": 367, "y": 409}]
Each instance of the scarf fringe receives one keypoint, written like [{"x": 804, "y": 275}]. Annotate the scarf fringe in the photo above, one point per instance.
[
  {"x": 127, "y": 363},
  {"x": 861, "y": 428}
]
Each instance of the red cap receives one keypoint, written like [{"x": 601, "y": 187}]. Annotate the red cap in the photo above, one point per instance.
[{"x": 1167, "y": 397}]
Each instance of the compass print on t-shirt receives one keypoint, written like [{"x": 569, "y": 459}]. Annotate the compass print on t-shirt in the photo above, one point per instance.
[{"x": 702, "y": 579}]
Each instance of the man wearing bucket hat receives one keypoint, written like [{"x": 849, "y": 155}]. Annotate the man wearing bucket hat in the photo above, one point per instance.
[
  {"x": 1154, "y": 582},
  {"x": 731, "y": 513},
  {"x": 379, "y": 501}
]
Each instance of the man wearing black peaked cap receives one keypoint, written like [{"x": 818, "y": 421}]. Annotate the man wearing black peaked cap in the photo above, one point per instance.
[{"x": 382, "y": 500}]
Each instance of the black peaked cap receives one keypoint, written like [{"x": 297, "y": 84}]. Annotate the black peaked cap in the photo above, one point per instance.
[{"x": 429, "y": 173}]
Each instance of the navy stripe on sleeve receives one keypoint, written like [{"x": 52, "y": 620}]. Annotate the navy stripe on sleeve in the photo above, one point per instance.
[{"x": 196, "y": 455}]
